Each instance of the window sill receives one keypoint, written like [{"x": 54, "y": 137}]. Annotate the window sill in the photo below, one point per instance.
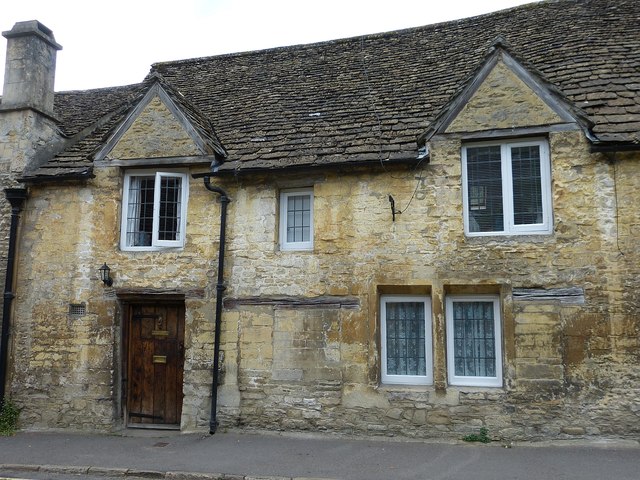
[
  {"x": 151, "y": 249},
  {"x": 510, "y": 238},
  {"x": 402, "y": 387},
  {"x": 295, "y": 250}
]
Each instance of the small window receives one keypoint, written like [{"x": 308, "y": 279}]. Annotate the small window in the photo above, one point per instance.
[
  {"x": 474, "y": 340},
  {"x": 507, "y": 188},
  {"x": 296, "y": 219},
  {"x": 405, "y": 326},
  {"x": 77, "y": 310},
  {"x": 154, "y": 210}
]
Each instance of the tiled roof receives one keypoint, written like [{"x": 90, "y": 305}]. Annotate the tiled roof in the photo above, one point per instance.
[{"x": 367, "y": 99}]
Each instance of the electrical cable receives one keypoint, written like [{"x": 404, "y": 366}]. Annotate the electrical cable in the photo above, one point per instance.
[{"x": 379, "y": 122}]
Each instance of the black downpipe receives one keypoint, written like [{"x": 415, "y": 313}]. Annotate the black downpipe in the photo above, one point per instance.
[
  {"x": 220, "y": 288},
  {"x": 16, "y": 197}
]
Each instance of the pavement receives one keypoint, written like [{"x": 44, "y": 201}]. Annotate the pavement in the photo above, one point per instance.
[{"x": 236, "y": 455}]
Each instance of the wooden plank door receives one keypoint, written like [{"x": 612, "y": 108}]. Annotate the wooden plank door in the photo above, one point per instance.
[{"x": 155, "y": 363}]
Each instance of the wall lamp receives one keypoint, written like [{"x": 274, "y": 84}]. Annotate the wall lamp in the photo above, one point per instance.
[{"x": 104, "y": 275}]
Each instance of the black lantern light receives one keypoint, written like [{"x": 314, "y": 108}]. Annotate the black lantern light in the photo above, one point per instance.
[{"x": 104, "y": 275}]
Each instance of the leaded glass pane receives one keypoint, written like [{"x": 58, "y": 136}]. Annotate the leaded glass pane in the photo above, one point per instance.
[
  {"x": 527, "y": 185},
  {"x": 484, "y": 189},
  {"x": 474, "y": 339},
  {"x": 298, "y": 218},
  {"x": 140, "y": 211},
  {"x": 170, "y": 208},
  {"x": 405, "y": 338}
]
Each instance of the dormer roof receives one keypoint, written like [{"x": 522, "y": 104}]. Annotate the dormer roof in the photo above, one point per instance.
[{"x": 534, "y": 104}]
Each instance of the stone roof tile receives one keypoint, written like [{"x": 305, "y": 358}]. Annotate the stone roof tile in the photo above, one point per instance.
[{"x": 367, "y": 97}]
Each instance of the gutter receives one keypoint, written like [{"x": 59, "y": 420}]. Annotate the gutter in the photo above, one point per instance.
[
  {"x": 231, "y": 171},
  {"x": 16, "y": 197},
  {"x": 624, "y": 147},
  {"x": 57, "y": 179},
  {"x": 220, "y": 288}
]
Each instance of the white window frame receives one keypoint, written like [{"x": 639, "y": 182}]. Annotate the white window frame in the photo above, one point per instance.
[
  {"x": 387, "y": 378},
  {"x": 473, "y": 381},
  {"x": 284, "y": 244},
  {"x": 543, "y": 228},
  {"x": 156, "y": 243}
]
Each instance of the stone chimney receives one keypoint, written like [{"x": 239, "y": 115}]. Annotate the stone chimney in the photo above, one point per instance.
[
  {"x": 28, "y": 129},
  {"x": 30, "y": 68}
]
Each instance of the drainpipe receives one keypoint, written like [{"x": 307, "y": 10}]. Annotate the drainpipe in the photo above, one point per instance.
[
  {"x": 16, "y": 197},
  {"x": 220, "y": 288}
]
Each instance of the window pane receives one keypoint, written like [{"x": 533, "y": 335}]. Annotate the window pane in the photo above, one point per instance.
[
  {"x": 298, "y": 218},
  {"x": 140, "y": 211},
  {"x": 170, "y": 205},
  {"x": 484, "y": 189},
  {"x": 405, "y": 339},
  {"x": 527, "y": 185},
  {"x": 474, "y": 339}
]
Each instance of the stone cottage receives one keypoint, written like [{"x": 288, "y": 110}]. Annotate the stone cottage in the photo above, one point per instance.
[{"x": 415, "y": 233}]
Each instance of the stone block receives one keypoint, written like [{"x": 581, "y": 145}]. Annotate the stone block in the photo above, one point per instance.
[{"x": 540, "y": 371}]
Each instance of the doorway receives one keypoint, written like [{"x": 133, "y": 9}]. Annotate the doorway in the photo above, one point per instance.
[{"x": 154, "y": 364}]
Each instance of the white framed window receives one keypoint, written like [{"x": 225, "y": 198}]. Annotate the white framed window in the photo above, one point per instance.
[
  {"x": 507, "y": 188},
  {"x": 296, "y": 219},
  {"x": 406, "y": 345},
  {"x": 474, "y": 340},
  {"x": 154, "y": 210}
]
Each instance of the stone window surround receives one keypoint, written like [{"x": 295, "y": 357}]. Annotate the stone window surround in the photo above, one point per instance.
[
  {"x": 294, "y": 246},
  {"x": 386, "y": 378},
  {"x": 156, "y": 245},
  {"x": 438, "y": 291},
  {"x": 544, "y": 228}
]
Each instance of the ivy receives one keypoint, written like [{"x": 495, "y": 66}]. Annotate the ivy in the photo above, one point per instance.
[{"x": 9, "y": 413}]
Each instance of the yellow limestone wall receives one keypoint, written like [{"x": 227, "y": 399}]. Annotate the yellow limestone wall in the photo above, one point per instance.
[
  {"x": 300, "y": 336},
  {"x": 503, "y": 100},
  {"x": 154, "y": 133}
]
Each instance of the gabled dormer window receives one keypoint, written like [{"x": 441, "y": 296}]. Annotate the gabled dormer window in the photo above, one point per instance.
[
  {"x": 154, "y": 209},
  {"x": 507, "y": 188}
]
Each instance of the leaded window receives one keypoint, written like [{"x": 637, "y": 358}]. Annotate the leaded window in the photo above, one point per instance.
[
  {"x": 406, "y": 339},
  {"x": 296, "y": 219},
  {"x": 474, "y": 340},
  {"x": 154, "y": 210}
]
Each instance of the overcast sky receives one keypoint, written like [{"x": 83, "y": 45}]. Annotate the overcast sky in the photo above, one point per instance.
[{"x": 114, "y": 42}]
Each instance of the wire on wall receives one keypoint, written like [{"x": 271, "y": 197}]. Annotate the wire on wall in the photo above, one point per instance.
[{"x": 372, "y": 104}]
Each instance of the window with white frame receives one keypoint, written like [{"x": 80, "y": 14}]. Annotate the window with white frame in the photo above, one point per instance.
[
  {"x": 405, "y": 327},
  {"x": 296, "y": 219},
  {"x": 507, "y": 188},
  {"x": 474, "y": 340},
  {"x": 154, "y": 209}
]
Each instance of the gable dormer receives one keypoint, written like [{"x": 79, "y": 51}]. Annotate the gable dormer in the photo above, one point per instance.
[
  {"x": 163, "y": 127},
  {"x": 505, "y": 98}
]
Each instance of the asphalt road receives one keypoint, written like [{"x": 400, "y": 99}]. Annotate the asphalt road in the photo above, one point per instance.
[{"x": 324, "y": 457}]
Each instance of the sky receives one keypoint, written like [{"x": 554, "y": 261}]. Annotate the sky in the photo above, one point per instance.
[{"x": 114, "y": 42}]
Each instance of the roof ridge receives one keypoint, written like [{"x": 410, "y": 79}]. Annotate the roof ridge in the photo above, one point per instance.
[
  {"x": 98, "y": 89},
  {"x": 376, "y": 35}
]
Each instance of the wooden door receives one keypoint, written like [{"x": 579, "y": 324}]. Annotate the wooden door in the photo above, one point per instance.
[{"x": 155, "y": 361}]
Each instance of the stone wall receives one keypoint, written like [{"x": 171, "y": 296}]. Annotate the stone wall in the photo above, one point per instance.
[
  {"x": 567, "y": 360},
  {"x": 300, "y": 340},
  {"x": 24, "y": 135}
]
